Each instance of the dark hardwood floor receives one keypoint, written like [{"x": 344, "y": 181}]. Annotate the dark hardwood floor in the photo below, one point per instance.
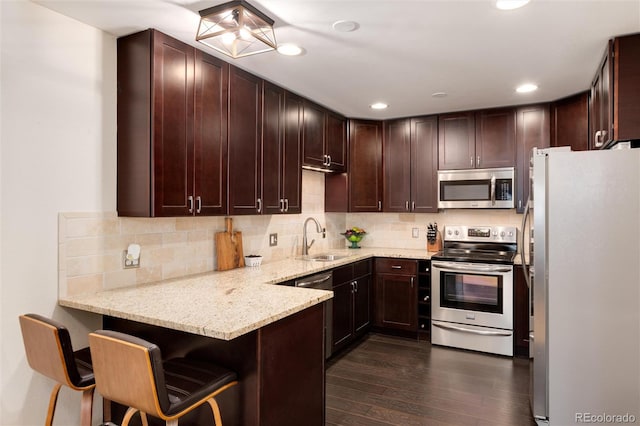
[{"x": 387, "y": 380}]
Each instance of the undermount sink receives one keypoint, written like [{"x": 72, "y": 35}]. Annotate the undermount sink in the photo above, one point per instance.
[{"x": 325, "y": 257}]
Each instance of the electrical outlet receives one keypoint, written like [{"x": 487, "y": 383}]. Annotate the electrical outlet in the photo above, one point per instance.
[
  {"x": 273, "y": 240},
  {"x": 415, "y": 233},
  {"x": 128, "y": 262}
]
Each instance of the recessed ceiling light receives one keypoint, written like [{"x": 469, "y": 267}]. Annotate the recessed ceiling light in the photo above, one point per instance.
[
  {"x": 439, "y": 95},
  {"x": 510, "y": 4},
  {"x": 289, "y": 49},
  {"x": 378, "y": 105},
  {"x": 526, "y": 88},
  {"x": 345, "y": 26}
]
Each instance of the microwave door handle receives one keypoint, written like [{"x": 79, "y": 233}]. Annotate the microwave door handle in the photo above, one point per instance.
[{"x": 493, "y": 190}]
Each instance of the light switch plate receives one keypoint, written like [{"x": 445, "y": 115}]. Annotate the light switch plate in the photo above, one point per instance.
[
  {"x": 415, "y": 233},
  {"x": 273, "y": 240}
]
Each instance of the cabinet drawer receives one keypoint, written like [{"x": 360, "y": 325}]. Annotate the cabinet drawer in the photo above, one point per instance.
[
  {"x": 362, "y": 268},
  {"x": 396, "y": 266},
  {"x": 342, "y": 274}
]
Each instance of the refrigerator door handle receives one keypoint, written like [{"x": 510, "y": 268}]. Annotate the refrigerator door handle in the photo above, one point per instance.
[
  {"x": 525, "y": 217},
  {"x": 468, "y": 330}
]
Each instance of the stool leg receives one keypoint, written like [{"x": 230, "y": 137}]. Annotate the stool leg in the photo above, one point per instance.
[
  {"x": 127, "y": 416},
  {"x": 173, "y": 422},
  {"x": 216, "y": 411},
  {"x": 53, "y": 400},
  {"x": 86, "y": 407},
  {"x": 106, "y": 410},
  {"x": 143, "y": 417}
]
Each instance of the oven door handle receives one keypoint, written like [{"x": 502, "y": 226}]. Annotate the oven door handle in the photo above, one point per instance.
[
  {"x": 472, "y": 331},
  {"x": 465, "y": 267}
]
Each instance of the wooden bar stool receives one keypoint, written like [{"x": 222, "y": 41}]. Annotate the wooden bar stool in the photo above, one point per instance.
[
  {"x": 49, "y": 352},
  {"x": 130, "y": 371}
]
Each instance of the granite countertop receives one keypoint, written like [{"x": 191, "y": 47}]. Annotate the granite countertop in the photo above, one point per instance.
[{"x": 225, "y": 305}]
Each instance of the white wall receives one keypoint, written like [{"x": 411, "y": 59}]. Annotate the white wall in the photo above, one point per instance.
[{"x": 57, "y": 153}]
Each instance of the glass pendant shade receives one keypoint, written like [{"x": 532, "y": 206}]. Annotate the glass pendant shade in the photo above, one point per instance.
[{"x": 236, "y": 29}]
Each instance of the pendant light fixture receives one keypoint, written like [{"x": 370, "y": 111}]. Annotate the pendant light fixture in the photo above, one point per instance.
[{"x": 236, "y": 29}]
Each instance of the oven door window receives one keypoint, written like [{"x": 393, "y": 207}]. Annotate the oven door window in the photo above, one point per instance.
[{"x": 471, "y": 292}]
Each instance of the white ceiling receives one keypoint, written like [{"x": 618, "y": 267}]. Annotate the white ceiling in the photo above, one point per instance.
[{"x": 404, "y": 50}]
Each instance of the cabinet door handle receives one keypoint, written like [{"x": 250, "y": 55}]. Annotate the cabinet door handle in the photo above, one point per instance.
[
  {"x": 354, "y": 284},
  {"x": 426, "y": 298},
  {"x": 329, "y": 160},
  {"x": 413, "y": 206},
  {"x": 406, "y": 205},
  {"x": 259, "y": 205},
  {"x": 598, "y": 139},
  {"x": 519, "y": 204},
  {"x": 411, "y": 282},
  {"x": 396, "y": 267},
  {"x": 379, "y": 205},
  {"x": 198, "y": 204},
  {"x": 426, "y": 269},
  {"x": 478, "y": 161},
  {"x": 190, "y": 202},
  {"x": 471, "y": 161},
  {"x": 281, "y": 203},
  {"x": 286, "y": 204}
]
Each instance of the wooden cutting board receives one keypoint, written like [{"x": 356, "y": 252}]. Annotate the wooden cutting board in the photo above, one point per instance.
[{"x": 229, "y": 247}]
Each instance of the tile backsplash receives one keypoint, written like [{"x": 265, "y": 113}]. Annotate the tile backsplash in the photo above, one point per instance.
[{"x": 91, "y": 245}]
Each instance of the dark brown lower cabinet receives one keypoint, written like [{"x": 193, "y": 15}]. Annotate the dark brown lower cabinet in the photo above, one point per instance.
[
  {"x": 520, "y": 313},
  {"x": 396, "y": 294},
  {"x": 351, "y": 303}
]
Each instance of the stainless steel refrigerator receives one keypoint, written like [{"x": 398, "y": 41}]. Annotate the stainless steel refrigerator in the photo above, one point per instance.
[{"x": 586, "y": 287}]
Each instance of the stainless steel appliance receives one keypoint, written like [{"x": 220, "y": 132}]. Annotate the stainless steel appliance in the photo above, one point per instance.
[
  {"x": 472, "y": 289},
  {"x": 322, "y": 281},
  {"x": 476, "y": 188},
  {"x": 586, "y": 287}
]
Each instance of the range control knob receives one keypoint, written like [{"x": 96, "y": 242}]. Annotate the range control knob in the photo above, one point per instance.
[
  {"x": 511, "y": 233},
  {"x": 449, "y": 232},
  {"x": 502, "y": 234},
  {"x": 495, "y": 233},
  {"x": 457, "y": 232}
]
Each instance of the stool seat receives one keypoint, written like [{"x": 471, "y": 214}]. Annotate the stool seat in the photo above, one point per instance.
[
  {"x": 130, "y": 371},
  {"x": 188, "y": 381},
  {"x": 83, "y": 367}
]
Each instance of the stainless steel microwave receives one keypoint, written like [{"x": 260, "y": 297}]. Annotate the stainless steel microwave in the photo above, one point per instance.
[{"x": 476, "y": 188}]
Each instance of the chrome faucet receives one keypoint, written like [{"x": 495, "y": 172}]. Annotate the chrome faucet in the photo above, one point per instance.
[{"x": 319, "y": 230}]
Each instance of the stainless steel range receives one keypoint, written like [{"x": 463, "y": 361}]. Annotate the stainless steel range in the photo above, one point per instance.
[{"x": 472, "y": 289}]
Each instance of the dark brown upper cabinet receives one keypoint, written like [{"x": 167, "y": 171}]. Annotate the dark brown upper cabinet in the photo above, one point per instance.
[
  {"x": 480, "y": 139},
  {"x": 245, "y": 143},
  {"x": 281, "y": 151},
  {"x": 410, "y": 165},
  {"x": 397, "y": 165},
  {"x": 324, "y": 139},
  {"x": 615, "y": 94},
  {"x": 570, "y": 122},
  {"x": 172, "y": 123},
  {"x": 365, "y": 165},
  {"x": 532, "y": 130}
]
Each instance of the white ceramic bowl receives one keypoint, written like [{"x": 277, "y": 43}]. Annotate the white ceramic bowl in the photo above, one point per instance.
[{"x": 252, "y": 261}]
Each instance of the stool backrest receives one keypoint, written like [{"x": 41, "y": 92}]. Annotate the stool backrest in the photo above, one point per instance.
[
  {"x": 129, "y": 370},
  {"x": 48, "y": 347}
]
